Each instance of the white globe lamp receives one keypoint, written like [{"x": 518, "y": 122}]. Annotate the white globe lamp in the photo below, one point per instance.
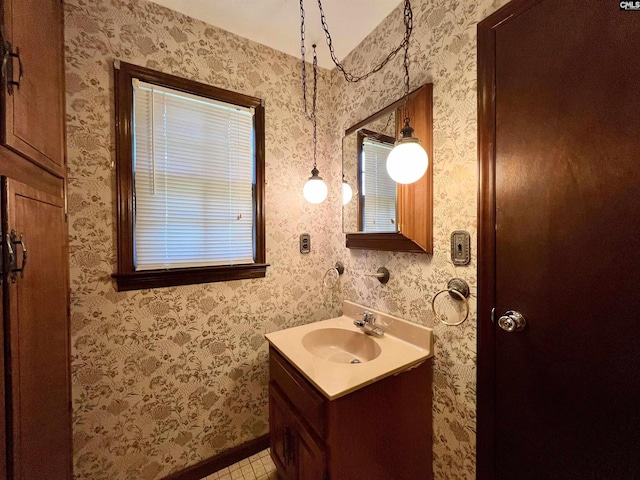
[
  {"x": 408, "y": 161},
  {"x": 315, "y": 190}
]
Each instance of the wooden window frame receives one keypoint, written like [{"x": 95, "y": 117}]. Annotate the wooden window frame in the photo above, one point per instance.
[{"x": 127, "y": 278}]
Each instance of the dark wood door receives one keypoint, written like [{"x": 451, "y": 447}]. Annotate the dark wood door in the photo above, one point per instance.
[
  {"x": 36, "y": 327},
  {"x": 33, "y": 113},
  {"x": 559, "y": 114}
]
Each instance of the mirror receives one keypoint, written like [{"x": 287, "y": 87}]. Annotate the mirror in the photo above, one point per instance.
[
  {"x": 373, "y": 208},
  {"x": 383, "y": 215}
]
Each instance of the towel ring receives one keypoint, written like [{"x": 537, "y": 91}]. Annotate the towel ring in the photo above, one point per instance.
[
  {"x": 456, "y": 288},
  {"x": 331, "y": 276}
]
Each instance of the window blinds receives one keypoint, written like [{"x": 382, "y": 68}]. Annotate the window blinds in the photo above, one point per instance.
[
  {"x": 378, "y": 189},
  {"x": 194, "y": 176}
]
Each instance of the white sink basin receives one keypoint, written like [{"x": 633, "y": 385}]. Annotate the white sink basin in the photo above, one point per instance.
[
  {"x": 341, "y": 346},
  {"x": 323, "y": 351}
]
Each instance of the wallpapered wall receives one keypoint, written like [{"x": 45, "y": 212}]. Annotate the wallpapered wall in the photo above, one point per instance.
[
  {"x": 443, "y": 52},
  {"x": 165, "y": 378}
]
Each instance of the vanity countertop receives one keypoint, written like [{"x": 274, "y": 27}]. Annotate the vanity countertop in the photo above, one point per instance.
[{"x": 403, "y": 346}]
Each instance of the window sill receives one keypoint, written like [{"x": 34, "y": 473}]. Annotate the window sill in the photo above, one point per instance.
[{"x": 187, "y": 276}]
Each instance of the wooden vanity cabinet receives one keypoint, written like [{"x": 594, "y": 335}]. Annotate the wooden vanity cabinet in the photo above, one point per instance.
[{"x": 380, "y": 432}]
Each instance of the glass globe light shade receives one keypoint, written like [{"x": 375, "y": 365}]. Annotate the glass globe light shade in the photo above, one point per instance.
[
  {"x": 347, "y": 192},
  {"x": 315, "y": 190},
  {"x": 408, "y": 161}
]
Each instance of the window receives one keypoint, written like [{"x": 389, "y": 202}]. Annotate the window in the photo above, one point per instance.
[
  {"x": 377, "y": 188},
  {"x": 190, "y": 170}
]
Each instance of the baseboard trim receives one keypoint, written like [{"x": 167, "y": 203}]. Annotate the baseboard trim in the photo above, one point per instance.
[{"x": 222, "y": 460}]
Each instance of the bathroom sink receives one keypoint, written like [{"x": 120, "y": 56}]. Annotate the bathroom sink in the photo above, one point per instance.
[
  {"x": 341, "y": 346},
  {"x": 324, "y": 352}
]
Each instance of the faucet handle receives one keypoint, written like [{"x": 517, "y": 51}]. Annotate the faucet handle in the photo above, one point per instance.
[{"x": 368, "y": 317}]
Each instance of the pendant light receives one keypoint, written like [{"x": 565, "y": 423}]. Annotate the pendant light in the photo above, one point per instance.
[
  {"x": 315, "y": 190},
  {"x": 408, "y": 161}
]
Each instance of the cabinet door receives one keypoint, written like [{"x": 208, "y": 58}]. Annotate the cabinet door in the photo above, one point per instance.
[
  {"x": 33, "y": 113},
  {"x": 309, "y": 454},
  {"x": 296, "y": 452},
  {"x": 36, "y": 327},
  {"x": 280, "y": 435}
]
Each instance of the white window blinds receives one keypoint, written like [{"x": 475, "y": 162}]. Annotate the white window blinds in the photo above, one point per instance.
[
  {"x": 378, "y": 189},
  {"x": 194, "y": 175}
]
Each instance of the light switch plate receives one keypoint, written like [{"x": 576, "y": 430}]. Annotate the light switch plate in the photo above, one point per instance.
[
  {"x": 305, "y": 243},
  {"x": 460, "y": 247}
]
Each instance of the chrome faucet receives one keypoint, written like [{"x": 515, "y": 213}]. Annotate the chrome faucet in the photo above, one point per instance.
[{"x": 368, "y": 324}]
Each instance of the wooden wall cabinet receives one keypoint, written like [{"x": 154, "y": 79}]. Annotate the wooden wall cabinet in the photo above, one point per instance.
[
  {"x": 33, "y": 113},
  {"x": 415, "y": 200},
  {"x": 380, "y": 432},
  {"x": 35, "y": 392}
]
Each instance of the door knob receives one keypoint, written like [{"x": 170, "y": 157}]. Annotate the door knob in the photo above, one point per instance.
[{"x": 512, "y": 321}]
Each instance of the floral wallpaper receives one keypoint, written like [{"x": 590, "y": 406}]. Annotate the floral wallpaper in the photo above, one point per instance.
[
  {"x": 442, "y": 52},
  {"x": 165, "y": 378}
]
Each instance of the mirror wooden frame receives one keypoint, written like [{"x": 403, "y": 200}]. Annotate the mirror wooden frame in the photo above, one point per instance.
[{"x": 415, "y": 200}]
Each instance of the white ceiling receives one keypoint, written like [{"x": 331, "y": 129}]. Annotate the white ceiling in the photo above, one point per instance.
[{"x": 276, "y": 23}]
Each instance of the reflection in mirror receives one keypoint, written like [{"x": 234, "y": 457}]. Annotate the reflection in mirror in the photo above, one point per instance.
[
  {"x": 373, "y": 208},
  {"x": 377, "y": 191}
]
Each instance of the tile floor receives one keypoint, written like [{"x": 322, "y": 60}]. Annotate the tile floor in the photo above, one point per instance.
[{"x": 256, "y": 467}]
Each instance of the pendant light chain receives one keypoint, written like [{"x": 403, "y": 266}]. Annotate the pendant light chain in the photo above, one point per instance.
[
  {"x": 408, "y": 24},
  {"x": 406, "y": 84},
  {"x": 313, "y": 116},
  {"x": 304, "y": 62},
  {"x": 313, "y": 108}
]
